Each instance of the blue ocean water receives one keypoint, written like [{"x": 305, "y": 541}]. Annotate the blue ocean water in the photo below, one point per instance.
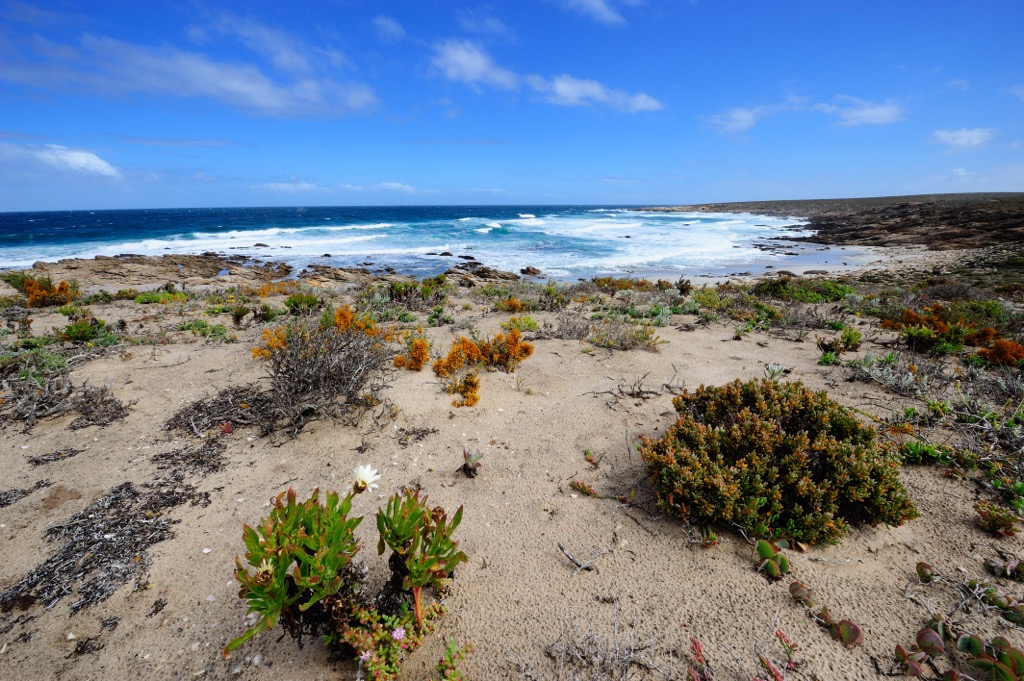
[{"x": 561, "y": 241}]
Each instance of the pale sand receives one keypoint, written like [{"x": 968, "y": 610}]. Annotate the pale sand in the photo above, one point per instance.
[{"x": 518, "y": 591}]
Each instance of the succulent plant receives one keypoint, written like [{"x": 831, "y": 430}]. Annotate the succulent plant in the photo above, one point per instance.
[
  {"x": 774, "y": 563},
  {"x": 925, "y": 573},
  {"x": 471, "y": 462}
]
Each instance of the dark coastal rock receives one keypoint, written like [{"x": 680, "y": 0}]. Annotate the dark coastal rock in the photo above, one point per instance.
[
  {"x": 446, "y": 254},
  {"x": 261, "y": 245},
  {"x": 530, "y": 271},
  {"x": 466, "y": 257}
]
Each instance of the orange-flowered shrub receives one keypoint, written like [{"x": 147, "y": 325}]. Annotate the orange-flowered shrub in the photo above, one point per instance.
[
  {"x": 506, "y": 351},
  {"x": 418, "y": 353},
  {"x": 510, "y": 304},
  {"x": 464, "y": 352},
  {"x": 273, "y": 288},
  {"x": 457, "y": 370},
  {"x": 982, "y": 338},
  {"x": 1003, "y": 352},
  {"x": 467, "y": 386},
  {"x": 42, "y": 293}
]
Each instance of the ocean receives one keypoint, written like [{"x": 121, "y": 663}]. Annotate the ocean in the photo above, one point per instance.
[{"x": 561, "y": 241}]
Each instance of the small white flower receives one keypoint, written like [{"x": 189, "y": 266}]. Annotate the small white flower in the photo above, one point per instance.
[{"x": 366, "y": 478}]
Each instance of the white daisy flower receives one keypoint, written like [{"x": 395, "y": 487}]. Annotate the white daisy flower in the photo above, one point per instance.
[{"x": 365, "y": 477}]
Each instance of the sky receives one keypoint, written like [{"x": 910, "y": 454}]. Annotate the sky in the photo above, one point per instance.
[{"x": 112, "y": 104}]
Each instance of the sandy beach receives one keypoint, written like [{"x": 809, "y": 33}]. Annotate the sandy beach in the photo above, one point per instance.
[{"x": 165, "y": 610}]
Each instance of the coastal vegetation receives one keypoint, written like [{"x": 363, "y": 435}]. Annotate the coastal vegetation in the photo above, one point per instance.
[{"x": 769, "y": 461}]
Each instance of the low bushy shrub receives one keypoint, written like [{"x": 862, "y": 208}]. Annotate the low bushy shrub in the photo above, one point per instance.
[
  {"x": 777, "y": 460},
  {"x": 335, "y": 369}
]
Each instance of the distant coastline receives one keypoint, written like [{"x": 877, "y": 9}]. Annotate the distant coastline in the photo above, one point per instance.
[{"x": 935, "y": 221}]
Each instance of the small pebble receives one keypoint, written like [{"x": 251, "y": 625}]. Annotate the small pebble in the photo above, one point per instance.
[
  {"x": 71, "y": 637},
  {"x": 211, "y": 599},
  {"x": 24, "y": 446},
  {"x": 256, "y": 659},
  {"x": 207, "y": 550}
]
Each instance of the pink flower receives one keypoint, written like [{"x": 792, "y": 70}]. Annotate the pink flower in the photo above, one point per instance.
[
  {"x": 365, "y": 657},
  {"x": 398, "y": 634}
]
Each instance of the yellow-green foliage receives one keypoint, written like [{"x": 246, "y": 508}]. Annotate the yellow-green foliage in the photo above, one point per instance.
[{"x": 776, "y": 459}]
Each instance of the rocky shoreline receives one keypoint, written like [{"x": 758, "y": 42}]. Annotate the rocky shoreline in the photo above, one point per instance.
[{"x": 935, "y": 221}]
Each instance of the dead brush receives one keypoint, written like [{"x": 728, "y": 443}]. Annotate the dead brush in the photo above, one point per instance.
[
  {"x": 578, "y": 654},
  {"x": 572, "y": 323},
  {"x": 618, "y": 334},
  {"x": 315, "y": 370}
]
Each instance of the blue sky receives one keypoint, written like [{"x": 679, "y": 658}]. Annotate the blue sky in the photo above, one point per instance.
[{"x": 120, "y": 104}]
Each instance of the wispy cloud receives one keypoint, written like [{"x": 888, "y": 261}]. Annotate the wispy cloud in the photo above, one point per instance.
[
  {"x": 564, "y": 90},
  {"x": 467, "y": 62},
  {"x": 740, "y": 119},
  {"x": 964, "y": 139},
  {"x": 388, "y": 29},
  {"x": 1017, "y": 91},
  {"x": 115, "y": 68},
  {"x": 601, "y": 11},
  {"x": 397, "y": 187},
  {"x": 481, "y": 22},
  {"x": 961, "y": 84},
  {"x": 293, "y": 187},
  {"x": 63, "y": 160},
  {"x": 853, "y": 111}
]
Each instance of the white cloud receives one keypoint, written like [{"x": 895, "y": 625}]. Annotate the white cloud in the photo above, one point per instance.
[
  {"x": 285, "y": 53},
  {"x": 600, "y": 11},
  {"x": 75, "y": 160},
  {"x": 853, "y": 111},
  {"x": 467, "y": 62},
  {"x": 396, "y": 187},
  {"x": 958, "y": 84},
  {"x": 564, "y": 90},
  {"x": 740, "y": 119},
  {"x": 389, "y": 30},
  {"x": 964, "y": 139},
  {"x": 292, "y": 187},
  {"x": 114, "y": 67},
  {"x": 43, "y": 159},
  {"x": 1017, "y": 90}
]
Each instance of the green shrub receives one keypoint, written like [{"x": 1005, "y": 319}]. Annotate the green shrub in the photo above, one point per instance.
[
  {"x": 777, "y": 460},
  {"x": 83, "y": 330},
  {"x": 523, "y": 323},
  {"x": 213, "y": 332},
  {"x": 303, "y": 303},
  {"x": 159, "y": 297}
]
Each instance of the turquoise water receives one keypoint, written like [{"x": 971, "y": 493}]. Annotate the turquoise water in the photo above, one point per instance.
[{"x": 561, "y": 241}]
